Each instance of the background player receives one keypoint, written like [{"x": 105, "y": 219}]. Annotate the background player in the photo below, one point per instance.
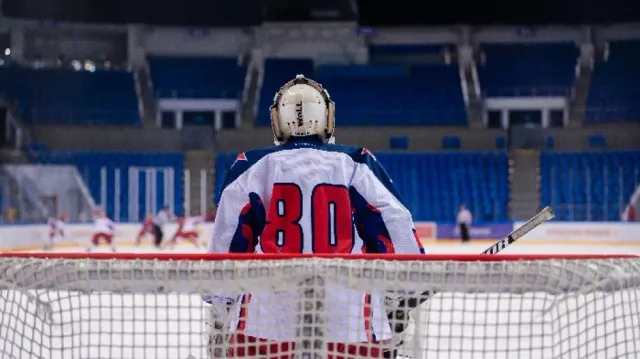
[
  {"x": 188, "y": 230},
  {"x": 147, "y": 228},
  {"x": 104, "y": 229},
  {"x": 159, "y": 221},
  {"x": 56, "y": 231},
  {"x": 306, "y": 195}
]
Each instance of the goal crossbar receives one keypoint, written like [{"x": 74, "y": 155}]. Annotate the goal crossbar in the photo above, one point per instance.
[{"x": 198, "y": 273}]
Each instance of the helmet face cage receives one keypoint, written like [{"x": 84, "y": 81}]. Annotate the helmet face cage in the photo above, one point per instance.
[{"x": 301, "y": 80}]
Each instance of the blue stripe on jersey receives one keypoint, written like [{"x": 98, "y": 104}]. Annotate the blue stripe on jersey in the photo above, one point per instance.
[
  {"x": 369, "y": 224},
  {"x": 251, "y": 222},
  {"x": 357, "y": 154}
]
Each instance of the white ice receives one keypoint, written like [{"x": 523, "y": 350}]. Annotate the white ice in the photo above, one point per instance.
[{"x": 137, "y": 326}]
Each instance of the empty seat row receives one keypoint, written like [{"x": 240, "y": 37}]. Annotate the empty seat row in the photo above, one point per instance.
[
  {"x": 589, "y": 186},
  {"x": 61, "y": 96},
  {"x": 197, "y": 77}
]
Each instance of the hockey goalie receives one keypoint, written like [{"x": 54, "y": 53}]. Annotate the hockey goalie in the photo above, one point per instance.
[{"x": 306, "y": 195}]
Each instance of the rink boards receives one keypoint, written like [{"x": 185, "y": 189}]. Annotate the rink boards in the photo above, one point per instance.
[{"x": 31, "y": 237}]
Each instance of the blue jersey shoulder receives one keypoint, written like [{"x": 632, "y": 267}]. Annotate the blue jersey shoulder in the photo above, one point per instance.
[
  {"x": 366, "y": 157},
  {"x": 244, "y": 161}
]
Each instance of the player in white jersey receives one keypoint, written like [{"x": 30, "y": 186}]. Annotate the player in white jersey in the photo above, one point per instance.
[
  {"x": 56, "y": 231},
  {"x": 103, "y": 230},
  {"x": 306, "y": 195},
  {"x": 188, "y": 230}
]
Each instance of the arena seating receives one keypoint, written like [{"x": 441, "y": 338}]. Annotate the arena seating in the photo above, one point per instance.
[
  {"x": 589, "y": 186},
  {"x": 90, "y": 164},
  {"x": 376, "y": 95},
  {"x": 519, "y": 70},
  {"x": 276, "y": 73},
  {"x": 60, "y": 96},
  {"x": 433, "y": 185},
  {"x": 197, "y": 77},
  {"x": 395, "y": 95},
  {"x": 615, "y": 84}
]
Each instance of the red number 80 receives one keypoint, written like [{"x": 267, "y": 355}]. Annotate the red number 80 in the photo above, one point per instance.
[{"x": 331, "y": 220}]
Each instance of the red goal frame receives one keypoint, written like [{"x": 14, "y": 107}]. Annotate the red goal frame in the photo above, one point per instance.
[{"x": 259, "y": 257}]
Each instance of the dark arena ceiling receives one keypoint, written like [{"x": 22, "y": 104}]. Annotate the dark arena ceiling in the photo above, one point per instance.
[{"x": 243, "y": 13}]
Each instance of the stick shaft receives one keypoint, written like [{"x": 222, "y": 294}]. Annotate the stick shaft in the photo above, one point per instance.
[{"x": 407, "y": 304}]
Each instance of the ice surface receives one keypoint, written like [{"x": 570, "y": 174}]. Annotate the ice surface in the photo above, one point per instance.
[{"x": 450, "y": 326}]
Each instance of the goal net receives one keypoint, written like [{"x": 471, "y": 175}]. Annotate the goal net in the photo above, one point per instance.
[{"x": 132, "y": 306}]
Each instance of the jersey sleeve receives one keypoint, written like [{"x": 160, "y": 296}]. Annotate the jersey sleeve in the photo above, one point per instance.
[
  {"x": 383, "y": 222},
  {"x": 239, "y": 219},
  {"x": 241, "y": 215}
]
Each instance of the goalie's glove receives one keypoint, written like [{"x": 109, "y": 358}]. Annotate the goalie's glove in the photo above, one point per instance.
[
  {"x": 398, "y": 315},
  {"x": 398, "y": 306},
  {"x": 218, "y": 324}
]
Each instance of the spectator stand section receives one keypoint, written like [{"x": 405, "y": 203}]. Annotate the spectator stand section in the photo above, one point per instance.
[
  {"x": 393, "y": 90},
  {"x": 127, "y": 185},
  {"x": 71, "y": 97},
  {"x": 527, "y": 83},
  {"x": 589, "y": 186},
  {"x": 197, "y": 92},
  {"x": 615, "y": 84}
]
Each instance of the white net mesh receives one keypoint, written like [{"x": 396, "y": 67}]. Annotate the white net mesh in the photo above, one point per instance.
[{"x": 488, "y": 307}]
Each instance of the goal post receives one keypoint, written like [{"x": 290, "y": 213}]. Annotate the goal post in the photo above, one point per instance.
[{"x": 105, "y": 305}]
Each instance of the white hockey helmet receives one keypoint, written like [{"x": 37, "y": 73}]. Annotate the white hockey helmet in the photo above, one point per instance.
[{"x": 302, "y": 107}]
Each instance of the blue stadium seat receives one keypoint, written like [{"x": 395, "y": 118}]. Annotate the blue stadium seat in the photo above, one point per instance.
[
  {"x": 523, "y": 70},
  {"x": 550, "y": 142},
  {"x": 588, "y": 186},
  {"x": 451, "y": 142},
  {"x": 197, "y": 77},
  {"x": 276, "y": 73},
  {"x": 433, "y": 185},
  {"x": 597, "y": 141},
  {"x": 91, "y": 163},
  {"x": 615, "y": 84},
  {"x": 56, "y": 96},
  {"x": 399, "y": 143}
]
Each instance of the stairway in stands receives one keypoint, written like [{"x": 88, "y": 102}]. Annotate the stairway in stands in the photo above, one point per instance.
[
  {"x": 146, "y": 100},
  {"x": 580, "y": 95},
  {"x": 200, "y": 180},
  {"x": 524, "y": 184}
]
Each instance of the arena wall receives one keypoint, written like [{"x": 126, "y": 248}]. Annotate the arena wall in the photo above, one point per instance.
[{"x": 21, "y": 237}]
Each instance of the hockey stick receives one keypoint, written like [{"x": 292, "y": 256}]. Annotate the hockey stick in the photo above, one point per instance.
[{"x": 400, "y": 312}]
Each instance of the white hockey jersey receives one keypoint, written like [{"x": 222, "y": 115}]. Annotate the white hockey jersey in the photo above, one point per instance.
[
  {"x": 103, "y": 225},
  {"x": 310, "y": 197}
]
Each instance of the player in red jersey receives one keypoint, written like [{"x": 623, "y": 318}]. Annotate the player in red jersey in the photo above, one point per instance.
[
  {"x": 147, "y": 228},
  {"x": 104, "y": 229},
  {"x": 188, "y": 230},
  {"x": 56, "y": 231}
]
